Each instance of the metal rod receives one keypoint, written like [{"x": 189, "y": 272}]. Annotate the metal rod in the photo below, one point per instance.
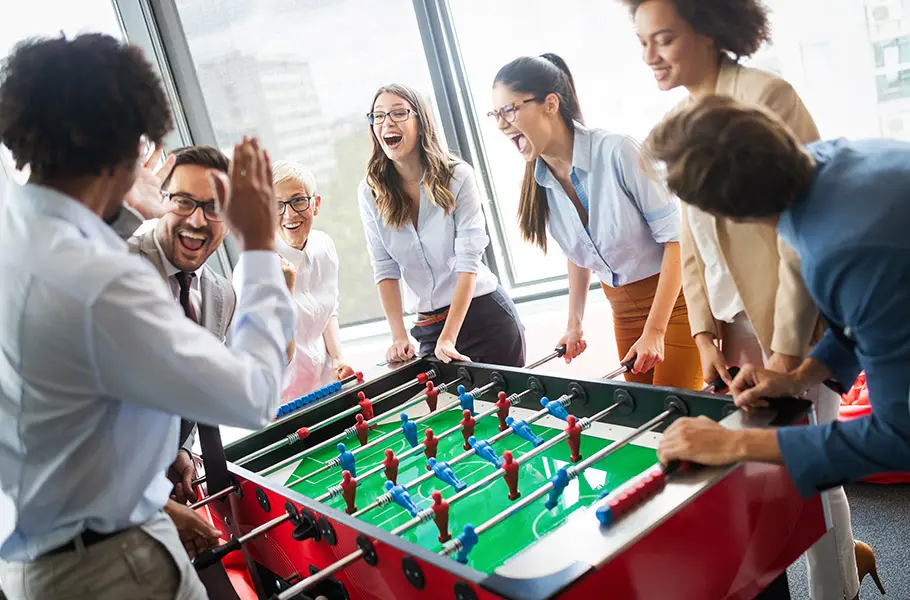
[
  {"x": 497, "y": 473},
  {"x": 213, "y": 497},
  {"x": 555, "y": 354},
  {"x": 345, "y": 434},
  {"x": 623, "y": 368},
  {"x": 335, "y": 462},
  {"x": 267, "y": 526},
  {"x": 319, "y": 576},
  {"x": 467, "y": 453},
  {"x": 425, "y": 514},
  {"x": 574, "y": 471}
]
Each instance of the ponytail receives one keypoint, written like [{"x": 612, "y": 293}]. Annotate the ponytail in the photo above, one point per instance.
[{"x": 540, "y": 75}]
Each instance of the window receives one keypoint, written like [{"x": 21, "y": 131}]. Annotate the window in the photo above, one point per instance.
[
  {"x": 31, "y": 20},
  {"x": 598, "y": 42},
  {"x": 301, "y": 75}
]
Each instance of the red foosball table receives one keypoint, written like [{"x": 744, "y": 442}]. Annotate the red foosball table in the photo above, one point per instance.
[{"x": 472, "y": 481}]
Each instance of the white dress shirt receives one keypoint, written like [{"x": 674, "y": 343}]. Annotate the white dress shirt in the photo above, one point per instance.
[
  {"x": 97, "y": 360},
  {"x": 430, "y": 257},
  {"x": 316, "y": 295},
  {"x": 171, "y": 271},
  {"x": 630, "y": 216},
  {"x": 723, "y": 297}
]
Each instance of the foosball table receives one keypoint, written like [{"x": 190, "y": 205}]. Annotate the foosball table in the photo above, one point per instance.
[{"x": 473, "y": 481}]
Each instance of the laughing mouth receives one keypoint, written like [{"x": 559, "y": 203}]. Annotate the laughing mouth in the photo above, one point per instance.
[
  {"x": 392, "y": 140},
  {"x": 191, "y": 240},
  {"x": 293, "y": 226},
  {"x": 520, "y": 141}
]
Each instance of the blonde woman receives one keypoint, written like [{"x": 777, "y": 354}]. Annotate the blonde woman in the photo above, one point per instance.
[
  {"x": 310, "y": 263},
  {"x": 424, "y": 223}
]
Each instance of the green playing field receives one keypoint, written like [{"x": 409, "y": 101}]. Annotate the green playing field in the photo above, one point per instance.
[{"x": 511, "y": 536}]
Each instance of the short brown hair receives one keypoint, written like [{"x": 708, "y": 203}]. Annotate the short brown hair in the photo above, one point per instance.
[
  {"x": 201, "y": 156},
  {"x": 738, "y": 27},
  {"x": 731, "y": 160}
]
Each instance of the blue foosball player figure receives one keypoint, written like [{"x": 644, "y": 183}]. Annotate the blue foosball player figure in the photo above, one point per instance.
[
  {"x": 468, "y": 539},
  {"x": 445, "y": 474},
  {"x": 559, "y": 481},
  {"x": 409, "y": 428},
  {"x": 484, "y": 450},
  {"x": 554, "y": 408},
  {"x": 402, "y": 498},
  {"x": 347, "y": 460},
  {"x": 523, "y": 430},
  {"x": 465, "y": 399}
]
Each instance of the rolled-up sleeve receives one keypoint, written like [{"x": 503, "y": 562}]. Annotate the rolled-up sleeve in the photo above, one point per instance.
[
  {"x": 658, "y": 207},
  {"x": 470, "y": 226},
  {"x": 839, "y": 359},
  {"x": 384, "y": 266}
]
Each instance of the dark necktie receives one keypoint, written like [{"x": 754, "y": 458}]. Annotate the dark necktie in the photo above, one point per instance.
[{"x": 185, "y": 280}]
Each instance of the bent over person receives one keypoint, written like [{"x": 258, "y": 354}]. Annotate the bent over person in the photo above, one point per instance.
[{"x": 842, "y": 206}]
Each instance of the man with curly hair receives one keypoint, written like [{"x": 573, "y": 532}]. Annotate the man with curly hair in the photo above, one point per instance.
[
  {"x": 97, "y": 358},
  {"x": 842, "y": 205}
]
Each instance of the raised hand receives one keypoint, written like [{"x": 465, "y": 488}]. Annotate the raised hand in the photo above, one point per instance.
[{"x": 145, "y": 195}]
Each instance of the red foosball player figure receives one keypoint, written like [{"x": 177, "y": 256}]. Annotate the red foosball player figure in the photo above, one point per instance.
[
  {"x": 363, "y": 430},
  {"x": 441, "y": 516},
  {"x": 432, "y": 396},
  {"x": 503, "y": 404},
  {"x": 391, "y": 466},
  {"x": 574, "y": 431},
  {"x": 366, "y": 407},
  {"x": 349, "y": 491},
  {"x": 467, "y": 427},
  {"x": 429, "y": 445},
  {"x": 510, "y": 466}
]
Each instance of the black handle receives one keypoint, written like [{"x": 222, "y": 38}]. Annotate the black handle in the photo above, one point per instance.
[
  {"x": 718, "y": 384},
  {"x": 628, "y": 365},
  {"x": 561, "y": 351},
  {"x": 208, "y": 558}
]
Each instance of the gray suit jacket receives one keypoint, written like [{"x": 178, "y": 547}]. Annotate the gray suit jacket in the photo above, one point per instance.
[{"x": 218, "y": 303}]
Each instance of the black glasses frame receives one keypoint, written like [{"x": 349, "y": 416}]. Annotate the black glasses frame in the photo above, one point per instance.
[
  {"x": 377, "y": 118},
  {"x": 209, "y": 207},
  {"x": 294, "y": 204}
]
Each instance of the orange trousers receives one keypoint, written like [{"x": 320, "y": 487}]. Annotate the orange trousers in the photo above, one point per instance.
[{"x": 631, "y": 303}]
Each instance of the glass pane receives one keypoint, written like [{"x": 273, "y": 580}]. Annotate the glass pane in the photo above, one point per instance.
[
  {"x": 47, "y": 18},
  {"x": 604, "y": 55},
  {"x": 831, "y": 62},
  {"x": 301, "y": 75}
]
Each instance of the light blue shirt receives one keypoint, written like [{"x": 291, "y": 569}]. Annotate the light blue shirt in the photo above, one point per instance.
[
  {"x": 96, "y": 361},
  {"x": 852, "y": 234},
  {"x": 430, "y": 257},
  {"x": 630, "y": 216}
]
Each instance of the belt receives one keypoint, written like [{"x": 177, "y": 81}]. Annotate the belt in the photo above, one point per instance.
[
  {"x": 424, "y": 320},
  {"x": 89, "y": 538}
]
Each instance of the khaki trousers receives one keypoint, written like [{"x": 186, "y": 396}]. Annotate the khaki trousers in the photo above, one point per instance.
[
  {"x": 143, "y": 563},
  {"x": 631, "y": 303}
]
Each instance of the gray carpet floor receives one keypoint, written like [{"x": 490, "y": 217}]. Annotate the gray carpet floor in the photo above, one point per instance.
[{"x": 881, "y": 518}]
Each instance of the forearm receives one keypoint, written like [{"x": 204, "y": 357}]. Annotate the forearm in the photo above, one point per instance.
[
  {"x": 758, "y": 445},
  {"x": 668, "y": 286},
  {"x": 332, "y": 338},
  {"x": 458, "y": 309},
  {"x": 579, "y": 282},
  {"x": 390, "y": 296},
  {"x": 811, "y": 372}
]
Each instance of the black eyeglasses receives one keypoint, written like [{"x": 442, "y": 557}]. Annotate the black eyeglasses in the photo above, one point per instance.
[
  {"x": 507, "y": 112},
  {"x": 398, "y": 115},
  {"x": 186, "y": 205},
  {"x": 299, "y": 204}
]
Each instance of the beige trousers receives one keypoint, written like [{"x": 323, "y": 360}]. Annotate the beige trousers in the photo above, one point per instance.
[
  {"x": 143, "y": 563},
  {"x": 831, "y": 565}
]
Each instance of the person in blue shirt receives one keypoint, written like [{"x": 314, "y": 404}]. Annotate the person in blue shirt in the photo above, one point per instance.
[
  {"x": 842, "y": 205},
  {"x": 585, "y": 187},
  {"x": 423, "y": 219}
]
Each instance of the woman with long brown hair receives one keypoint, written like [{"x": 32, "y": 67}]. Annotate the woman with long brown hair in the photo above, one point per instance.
[
  {"x": 585, "y": 186},
  {"x": 422, "y": 214},
  {"x": 747, "y": 301}
]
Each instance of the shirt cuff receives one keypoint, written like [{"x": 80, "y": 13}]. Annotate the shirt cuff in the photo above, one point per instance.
[
  {"x": 259, "y": 266},
  {"x": 385, "y": 269}
]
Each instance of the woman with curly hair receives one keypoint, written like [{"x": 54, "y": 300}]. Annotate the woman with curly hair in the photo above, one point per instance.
[
  {"x": 424, "y": 223},
  {"x": 747, "y": 301}
]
